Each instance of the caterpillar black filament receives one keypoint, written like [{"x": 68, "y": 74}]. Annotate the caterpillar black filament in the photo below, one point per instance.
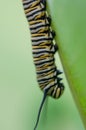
[{"x": 43, "y": 49}]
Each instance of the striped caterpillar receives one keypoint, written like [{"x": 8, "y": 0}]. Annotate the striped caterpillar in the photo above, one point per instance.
[{"x": 43, "y": 50}]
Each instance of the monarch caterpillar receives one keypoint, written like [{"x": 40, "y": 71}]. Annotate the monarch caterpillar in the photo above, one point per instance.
[{"x": 43, "y": 50}]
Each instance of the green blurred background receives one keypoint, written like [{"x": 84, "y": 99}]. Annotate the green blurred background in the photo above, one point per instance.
[{"x": 20, "y": 95}]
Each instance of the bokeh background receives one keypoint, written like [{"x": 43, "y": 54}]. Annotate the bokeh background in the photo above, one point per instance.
[{"x": 20, "y": 95}]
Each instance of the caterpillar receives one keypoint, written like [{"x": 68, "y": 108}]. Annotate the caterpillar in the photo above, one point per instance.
[{"x": 43, "y": 50}]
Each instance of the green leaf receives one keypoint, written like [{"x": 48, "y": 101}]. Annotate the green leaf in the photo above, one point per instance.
[{"x": 69, "y": 22}]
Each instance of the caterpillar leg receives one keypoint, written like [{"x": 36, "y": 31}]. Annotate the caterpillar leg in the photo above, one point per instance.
[
  {"x": 44, "y": 3},
  {"x": 49, "y": 20},
  {"x": 58, "y": 72},
  {"x": 55, "y": 47},
  {"x": 53, "y": 33}
]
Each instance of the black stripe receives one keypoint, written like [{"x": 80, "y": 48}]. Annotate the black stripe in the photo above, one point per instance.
[
  {"x": 43, "y": 52},
  {"x": 31, "y": 18},
  {"x": 45, "y": 62},
  {"x": 44, "y": 83},
  {"x": 44, "y": 43},
  {"x": 27, "y": 2},
  {"x": 46, "y": 71},
  {"x": 41, "y": 66},
  {"x": 50, "y": 87},
  {"x": 45, "y": 79},
  {"x": 39, "y": 11},
  {"x": 39, "y": 26},
  {"x": 29, "y": 6},
  {"x": 42, "y": 39}
]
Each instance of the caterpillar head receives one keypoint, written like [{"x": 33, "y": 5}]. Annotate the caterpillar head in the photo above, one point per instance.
[
  {"x": 56, "y": 91},
  {"x": 59, "y": 91}
]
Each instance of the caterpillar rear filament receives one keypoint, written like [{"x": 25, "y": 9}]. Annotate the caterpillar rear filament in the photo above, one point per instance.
[{"x": 43, "y": 50}]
